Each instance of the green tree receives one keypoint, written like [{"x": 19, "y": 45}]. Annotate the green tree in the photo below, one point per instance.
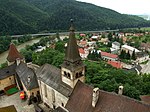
[
  {"x": 110, "y": 36},
  {"x": 60, "y": 46},
  {"x": 133, "y": 55}
]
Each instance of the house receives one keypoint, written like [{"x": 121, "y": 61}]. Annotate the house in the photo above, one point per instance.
[
  {"x": 109, "y": 56},
  {"x": 145, "y": 69},
  {"x": 85, "y": 98},
  {"x": 104, "y": 41},
  {"x": 116, "y": 45},
  {"x": 116, "y": 64},
  {"x": 83, "y": 53},
  {"x": 82, "y": 35},
  {"x": 26, "y": 79},
  {"x": 83, "y": 43},
  {"x": 142, "y": 57},
  {"x": 7, "y": 77},
  {"x": 145, "y": 47},
  {"x": 18, "y": 73},
  {"x": 129, "y": 49},
  {"x": 94, "y": 38}
]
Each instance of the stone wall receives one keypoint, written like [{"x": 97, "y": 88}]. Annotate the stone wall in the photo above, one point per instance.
[
  {"x": 52, "y": 98},
  {"x": 7, "y": 82}
]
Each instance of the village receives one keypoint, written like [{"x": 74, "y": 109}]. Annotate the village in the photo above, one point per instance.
[{"x": 51, "y": 89}]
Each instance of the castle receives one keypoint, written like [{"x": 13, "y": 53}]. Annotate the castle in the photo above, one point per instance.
[{"x": 63, "y": 89}]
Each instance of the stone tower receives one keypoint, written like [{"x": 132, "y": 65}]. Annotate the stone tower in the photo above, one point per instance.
[
  {"x": 14, "y": 56},
  {"x": 72, "y": 68}
]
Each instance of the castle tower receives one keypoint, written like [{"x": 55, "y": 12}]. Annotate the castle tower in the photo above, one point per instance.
[
  {"x": 72, "y": 68},
  {"x": 14, "y": 55}
]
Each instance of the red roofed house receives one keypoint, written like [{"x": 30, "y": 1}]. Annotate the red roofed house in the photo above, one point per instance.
[
  {"x": 14, "y": 55},
  {"x": 82, "y": 35},
  {"x": 115, "y": 64},
  {"x": 83, "y": 53},
  {"x": 109, "y": 56}
]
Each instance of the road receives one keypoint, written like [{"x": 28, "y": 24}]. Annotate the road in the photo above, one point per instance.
[{"x": 63, "y": 33}]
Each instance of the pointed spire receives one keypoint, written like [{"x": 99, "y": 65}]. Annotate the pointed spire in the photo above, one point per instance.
[
  {"x": 72, "y": 53},
  {"x": 13, "y": 53}
]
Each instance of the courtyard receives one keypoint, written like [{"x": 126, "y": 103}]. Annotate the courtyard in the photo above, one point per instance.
[{"x": 20, "y": 105}]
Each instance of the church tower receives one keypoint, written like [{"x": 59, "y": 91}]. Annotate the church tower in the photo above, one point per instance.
[{"x": 72, "y": 68}]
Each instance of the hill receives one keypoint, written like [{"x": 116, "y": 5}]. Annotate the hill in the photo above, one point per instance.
[{"x": 32, "y": 16}]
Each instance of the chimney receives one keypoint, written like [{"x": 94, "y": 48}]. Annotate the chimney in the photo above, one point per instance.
[
  {"x": 120, "y": 91},
  {"x": 29, "y": 79},
  {"x": 18, "y": 61},
  {"x": 95, "y": 96}
]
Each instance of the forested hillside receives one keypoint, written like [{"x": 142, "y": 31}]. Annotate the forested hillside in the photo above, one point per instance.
[{"x": 32, "y": 16}]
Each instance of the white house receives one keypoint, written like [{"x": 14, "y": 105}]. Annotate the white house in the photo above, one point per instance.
[{"x": 129, "y": 49}]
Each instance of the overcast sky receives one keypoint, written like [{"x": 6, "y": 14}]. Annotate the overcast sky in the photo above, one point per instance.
[{"x": 124, "y": 6}]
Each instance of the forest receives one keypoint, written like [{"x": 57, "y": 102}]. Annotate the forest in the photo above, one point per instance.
[{"x": 33, "y": 16}]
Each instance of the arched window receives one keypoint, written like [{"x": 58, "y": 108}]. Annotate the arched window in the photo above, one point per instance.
[
  {"x": 65, "y": 74},
  {"x": 68, "y": 75},
  {"x": 77, "y": 75},
  {"x": 62, "y": 104}
]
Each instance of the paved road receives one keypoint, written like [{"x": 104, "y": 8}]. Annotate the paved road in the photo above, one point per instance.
[{"x": 64, "y": 33}]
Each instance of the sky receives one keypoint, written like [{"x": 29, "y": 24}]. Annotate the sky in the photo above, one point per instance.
[{"x": 135, "y": 7}]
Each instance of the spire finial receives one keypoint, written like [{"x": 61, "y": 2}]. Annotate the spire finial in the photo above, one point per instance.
[{"x": 72, "y": 26}]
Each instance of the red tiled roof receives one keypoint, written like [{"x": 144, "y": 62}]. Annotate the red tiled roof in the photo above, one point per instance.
[
  {"x": 115, "y": 64},
  {"x": 81, "y": 50},
  {"x": 109, "y": 55},
  {"x": 145, "y": 98},
  {"x": 82, "y": 34},
  {"x": 81, "y": 101},
  {"x": 13, "y": 53}
]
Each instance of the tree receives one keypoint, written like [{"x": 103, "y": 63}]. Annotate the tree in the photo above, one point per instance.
[
  {"x": 133, "y": 55},
  {"x": 60, "y": 46},
  {"x": 27, "y": 54},
  {"x": 128, "y": 56},
  {"x": 110, "y": 36},
  {"x": 3, "y": 65}
]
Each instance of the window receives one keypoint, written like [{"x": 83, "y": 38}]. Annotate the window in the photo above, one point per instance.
[
  {"x": 62, "y": 104},
  {"x": 79, "y": 74},
  {"x": 67, "y": 75},
  {"x": 45, "y": 90}
]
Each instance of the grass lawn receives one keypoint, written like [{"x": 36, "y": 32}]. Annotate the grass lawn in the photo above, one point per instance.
[{"x": 12, "y": 91}]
